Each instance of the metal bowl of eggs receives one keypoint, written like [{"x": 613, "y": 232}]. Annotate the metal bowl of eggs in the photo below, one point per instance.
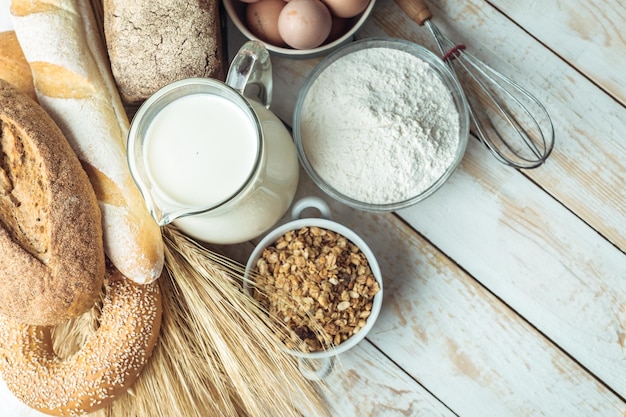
[{"x": 299, "y": 28}]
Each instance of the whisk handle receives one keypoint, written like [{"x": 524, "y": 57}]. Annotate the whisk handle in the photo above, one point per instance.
[{"x": 417, "y": 10}]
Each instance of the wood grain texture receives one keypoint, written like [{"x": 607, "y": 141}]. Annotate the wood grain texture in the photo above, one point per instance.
[
  {"x": 463, "y": 343},
  {"x": 361, "y": 386},
  {"x": 517, "y": 240},
  {"x": 587, "y": 168},
  {"x": 536, "y": 256},
  {"x": 588, "y": 35},
  {"x": 573, "y": 287},
  {"x": 585, "y": 173}
]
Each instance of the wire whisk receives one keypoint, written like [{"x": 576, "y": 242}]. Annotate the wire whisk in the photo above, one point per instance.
[{"x": 510, "y": 121}]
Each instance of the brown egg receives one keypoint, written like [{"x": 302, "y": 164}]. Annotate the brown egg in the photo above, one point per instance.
[
  {"x": 346, "y": 8},
  {"x": 262, "y": 20},
  {"x": 304, "y": 24}
]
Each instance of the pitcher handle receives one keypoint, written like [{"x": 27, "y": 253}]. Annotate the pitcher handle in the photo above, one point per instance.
[{"x": 252, "y": 66}]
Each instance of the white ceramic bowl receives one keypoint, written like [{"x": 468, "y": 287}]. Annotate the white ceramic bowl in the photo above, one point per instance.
[
  {"x": 236, "y": 12},
  {"x": 325, "y": 356}
]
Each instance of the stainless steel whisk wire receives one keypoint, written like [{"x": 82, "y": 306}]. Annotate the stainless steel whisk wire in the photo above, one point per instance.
[
  {"x": 539, "y": 149},
  {"x": 490, "y": 97}
]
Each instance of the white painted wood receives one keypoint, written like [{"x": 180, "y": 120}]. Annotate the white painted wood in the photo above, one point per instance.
[
  {"x": 536, "y": 256},
  {"x": 360, "y": 387},
  {"x": 460, "y": 341},
  {"x": 588, "y": 34},
  {"x": 587, "y": 169},
  {"x": 586, "y": 173}
]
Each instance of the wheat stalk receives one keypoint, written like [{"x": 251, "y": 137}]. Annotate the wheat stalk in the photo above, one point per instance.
[{"x": 218, "y": 353}]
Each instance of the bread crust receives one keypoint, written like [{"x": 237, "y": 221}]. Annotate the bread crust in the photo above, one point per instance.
[
  {"x": 105, "y": 366},
  {"x": 152, "y": 43},
  {"x": 51, "y": 252},
  {"x": 74, "y": 84},
  {"x": 13, "y": 65}
]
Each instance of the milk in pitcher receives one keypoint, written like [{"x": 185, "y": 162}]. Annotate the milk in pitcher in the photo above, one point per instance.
[{"x": 203, "y": 151}]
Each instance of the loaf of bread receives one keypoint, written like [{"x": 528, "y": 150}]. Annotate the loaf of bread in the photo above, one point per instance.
[
  {"x": 51, "y": 253},
  {"x": 152, "y": 43},
  {"x": 13, "y": 65},
  {"x": 73, "y": 82}
]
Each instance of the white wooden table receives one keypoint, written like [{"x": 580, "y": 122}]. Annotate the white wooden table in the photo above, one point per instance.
[{"x": 505, "y": 291}]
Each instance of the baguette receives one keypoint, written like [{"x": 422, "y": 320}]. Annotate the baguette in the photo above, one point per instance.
[
  {"x": 13, "y": 65},
  {"x": 73, "y": 82},
  {"x": 51, "y": 254}
]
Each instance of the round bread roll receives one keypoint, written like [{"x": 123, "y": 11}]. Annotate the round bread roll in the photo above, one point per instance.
[
  {"x": 51, "y": 252},
  {"x": 106, "y": 365}
]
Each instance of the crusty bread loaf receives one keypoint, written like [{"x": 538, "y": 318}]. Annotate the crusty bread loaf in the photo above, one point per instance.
[
  {"x": 152, "y": 43},
  {"x": 51, "y": 254},
  {"x": 13, "y": 65},
  {"x": 74, "y": 84}
]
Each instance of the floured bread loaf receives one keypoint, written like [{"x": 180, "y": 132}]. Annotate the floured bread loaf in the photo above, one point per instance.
[
  {"x": 51, "y": 252},
  {"x": 152, "y": 43}
]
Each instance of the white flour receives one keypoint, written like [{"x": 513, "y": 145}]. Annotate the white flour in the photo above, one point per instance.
[{"x": 379, "y": 126}]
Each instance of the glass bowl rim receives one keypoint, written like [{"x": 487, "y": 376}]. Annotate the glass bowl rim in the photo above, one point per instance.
[{"x": 444, "y": 73}]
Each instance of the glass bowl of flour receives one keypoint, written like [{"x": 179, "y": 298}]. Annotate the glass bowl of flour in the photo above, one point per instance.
[{"x": 381, "y": 124}]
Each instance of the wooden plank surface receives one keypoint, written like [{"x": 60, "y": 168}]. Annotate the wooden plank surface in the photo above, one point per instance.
[
  {"x": 366, "y": 384},
  {"x": 452, "y": 335},
  {"x": 586, "y": 170},
  {"x": 576, "y": 266},
  {"x": 585, "y": 34},
  {"x": 536, "y": 256},
  {"x": 459, "y": 340},
  {"x": 562, "y": 276}
]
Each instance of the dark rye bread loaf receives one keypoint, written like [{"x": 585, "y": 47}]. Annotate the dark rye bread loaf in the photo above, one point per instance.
[
  {"x": 152, "y": 43},
  {"x": 51, "y": 252}
]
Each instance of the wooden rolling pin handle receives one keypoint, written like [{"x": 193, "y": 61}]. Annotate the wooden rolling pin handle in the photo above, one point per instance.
[{"x": 417, "y": 10}]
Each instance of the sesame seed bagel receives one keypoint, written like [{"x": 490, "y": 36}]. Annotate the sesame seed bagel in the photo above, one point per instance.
[{"x": 108, "y": 363}]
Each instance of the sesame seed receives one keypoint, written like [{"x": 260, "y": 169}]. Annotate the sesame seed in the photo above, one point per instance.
[{"x": 104, "y": 368}]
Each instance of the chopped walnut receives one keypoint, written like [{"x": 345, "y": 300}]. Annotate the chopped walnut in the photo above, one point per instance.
[{"x": 319, "y": 284}]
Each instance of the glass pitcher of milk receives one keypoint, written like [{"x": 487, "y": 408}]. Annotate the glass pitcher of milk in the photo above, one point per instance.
[{"x": 218, "y": 165}]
